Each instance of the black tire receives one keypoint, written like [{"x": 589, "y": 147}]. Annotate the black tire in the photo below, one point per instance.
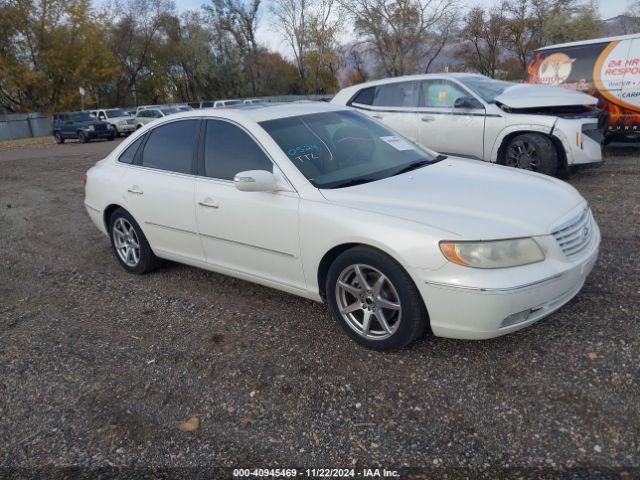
[
  {"x": 111, "y": 137},
  {"x": 82, "y": 137},
  {"x": 59, "y": 138},
  {"x": 413, "y": 319},
  {"x": 147, "y": 260},
  {"x": 532, "y": 151},
  {"x": 138, "y": 127}
]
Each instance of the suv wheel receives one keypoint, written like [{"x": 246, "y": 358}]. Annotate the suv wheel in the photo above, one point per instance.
[
  {"x": 82, "y": 137},
  {"x": 374, "y": 300},
  {"x": 129, "y": 244},
  {"x": 59, "y": 138},
  {"x": 532, "y": 151}
]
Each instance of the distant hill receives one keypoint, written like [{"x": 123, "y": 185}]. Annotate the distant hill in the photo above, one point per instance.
[{"x": 621, "y": 25}]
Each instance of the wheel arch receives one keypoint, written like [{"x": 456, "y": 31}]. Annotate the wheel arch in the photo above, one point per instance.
[
  {"x": 335, "y": 251},
  {"x": 557, "y": 144},
  {"x": 108, "y": 211}
]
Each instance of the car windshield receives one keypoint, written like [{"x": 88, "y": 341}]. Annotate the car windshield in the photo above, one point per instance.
[
  {"x": 344, "y": 148},
  {"x": 486, "y": 87},
  {"x": 231, "y": 102},
  {"x": 82, "y": 117},
  {"x": 116, "y": 112},
  {"x": 169, "y": 110}
]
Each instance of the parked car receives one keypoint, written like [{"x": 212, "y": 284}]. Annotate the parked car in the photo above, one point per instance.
[
  {"x": 80, "y": 125},
  {"x": 147, "y": 115},
  {"x": 226, "y": 103},
  {"x": 606, "y": 68},
  {"x": 121, "y": 120},
  {"x": 253, "y": 101},
  {"x": 534, "y": 127},
  {"x": 322, "y": 202},
  {"x": 145, "y": 107}
]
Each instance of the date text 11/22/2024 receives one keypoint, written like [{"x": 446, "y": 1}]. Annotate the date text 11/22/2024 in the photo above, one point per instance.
[{"x": 315, "y": 473}]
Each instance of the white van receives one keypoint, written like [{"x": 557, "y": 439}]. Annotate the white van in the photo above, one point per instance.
[{"x": 607, "y": 68}]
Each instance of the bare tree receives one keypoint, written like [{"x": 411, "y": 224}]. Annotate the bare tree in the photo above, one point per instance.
[
  {"x": 521, "y": 34},
  {"x": 484, "y": 34},
  {"x": 291, "y": 23},
  {"x": 406, "y": 35}
]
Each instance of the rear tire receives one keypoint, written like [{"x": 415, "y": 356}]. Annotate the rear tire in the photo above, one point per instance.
[
  {"x": 82, "y": 137},
  {"x": 374, "y": 300},
  {"x": 532, "y": 151},
  {"x": 59, "y": 138},
  {"x": 130, "y": 246}
]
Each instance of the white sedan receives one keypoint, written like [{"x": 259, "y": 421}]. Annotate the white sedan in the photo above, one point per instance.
[{"x": 322, "y": 202}]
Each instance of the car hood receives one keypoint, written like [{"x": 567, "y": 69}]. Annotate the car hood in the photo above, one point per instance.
[
  {"x": 117, "y": 119},
  {"x": 531, "y": 96},
  {"x": 467, "y": 199}
]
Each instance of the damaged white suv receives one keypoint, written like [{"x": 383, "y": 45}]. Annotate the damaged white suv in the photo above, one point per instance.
[{"x": 536, "y": 127}]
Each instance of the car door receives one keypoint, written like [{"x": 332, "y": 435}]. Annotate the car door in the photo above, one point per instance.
[
  {"x": 447, "y": 128},
  {"x": 252, "y": 233},
  {"x": 68, "y": 127},
  {"x": 158, "y": 186},
  {"x": 394, "y": 104}
]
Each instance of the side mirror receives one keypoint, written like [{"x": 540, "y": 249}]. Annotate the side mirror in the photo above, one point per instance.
[
  {"x": 255, "y": 181},
  {"x": 467, "y": 102}
]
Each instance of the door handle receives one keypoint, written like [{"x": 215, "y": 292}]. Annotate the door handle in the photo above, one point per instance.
[
  {"x": 207, "y": 202},
  {"x": 135, "y": 190},
  {"x": 427, "y": 118}
]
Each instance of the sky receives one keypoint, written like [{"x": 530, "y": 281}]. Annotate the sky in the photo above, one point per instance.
[{"x": 608, "y": 9}]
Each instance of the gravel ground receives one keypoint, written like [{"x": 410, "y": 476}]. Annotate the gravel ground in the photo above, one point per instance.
[{"x": 98, "y": 368}]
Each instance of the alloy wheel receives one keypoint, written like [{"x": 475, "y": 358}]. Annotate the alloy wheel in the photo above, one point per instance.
[
  {"x": 368, "y": 302},
  {"x": 126, "y": 242},
  {"x": 522, "y": 154}
]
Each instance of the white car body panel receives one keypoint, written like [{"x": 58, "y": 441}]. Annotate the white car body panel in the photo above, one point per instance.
[
  {"x": 478, "y": 133},
  {"x": 279, "y": 239},
  {"x": 529, "y": 95}
]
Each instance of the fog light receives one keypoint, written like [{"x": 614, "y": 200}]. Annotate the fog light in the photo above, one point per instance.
[{"x": 515, "y": 318}]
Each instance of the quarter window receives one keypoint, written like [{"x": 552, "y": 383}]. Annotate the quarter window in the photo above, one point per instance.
[
  {"x": 171, "y": 146},
  {"x": 130, "y": 153},
  {"x": 365, "y": 97},
  {"x": 228, "y": 150},
  {"x": 441, "y": 93},
  {"x": 400, "y": 94}
]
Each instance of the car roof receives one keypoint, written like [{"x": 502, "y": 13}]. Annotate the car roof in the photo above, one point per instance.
[
  {"x": 261, "y": 112},
  {"x": 590, "y": 42},
  {"x": 419, "y": 76}
]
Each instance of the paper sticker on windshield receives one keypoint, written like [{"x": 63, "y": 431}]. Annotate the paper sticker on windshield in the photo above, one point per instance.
[{"x": 397, "y": 143}]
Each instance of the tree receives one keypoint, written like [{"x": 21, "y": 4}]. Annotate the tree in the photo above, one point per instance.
[
  {"x": 291, "y": 23},
  {"x": 572, "y": 24},
  {"x": 405, "y": 35},
  {"x": 484, "y": 34},
  {"x": 240, "y": 19},
  {"x": 48, "y": 49}
]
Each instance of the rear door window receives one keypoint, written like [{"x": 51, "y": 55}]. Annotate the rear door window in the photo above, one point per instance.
[
  {"x": 171, "y": 146},
  {"x": 399, "y": 94},
  {"x": 129, "y": 154}
]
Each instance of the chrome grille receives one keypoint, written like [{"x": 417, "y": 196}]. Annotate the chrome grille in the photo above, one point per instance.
[
  {"x": 131, "y": 121},
  {"x": 575, "y": 235}
]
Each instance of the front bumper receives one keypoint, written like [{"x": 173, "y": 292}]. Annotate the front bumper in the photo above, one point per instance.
[
  {"x": 127, "y": 128},
  {"x": 475, "y": 312},
  {"x": 107, "y": 133},
  {"x": 579, "y": 148}
]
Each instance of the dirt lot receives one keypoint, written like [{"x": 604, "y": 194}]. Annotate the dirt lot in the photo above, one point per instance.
[{"x": 98, "y": 367}]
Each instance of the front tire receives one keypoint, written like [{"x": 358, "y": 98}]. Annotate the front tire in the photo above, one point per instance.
[
  {"x": 130, "y": 246},
  {"x": 82, "y": 137},
  {"x": 374, "y": 300},
  {"x": 532, "y": 151}
]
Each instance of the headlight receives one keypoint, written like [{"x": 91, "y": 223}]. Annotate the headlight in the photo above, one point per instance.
[
  {"x": 91, "y": 127},
  {"x": 493, "y": 254},
  {"x": 110, "y": 126}
]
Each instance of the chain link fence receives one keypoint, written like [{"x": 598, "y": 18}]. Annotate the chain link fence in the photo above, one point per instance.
[{"x": 26, "y": 125}]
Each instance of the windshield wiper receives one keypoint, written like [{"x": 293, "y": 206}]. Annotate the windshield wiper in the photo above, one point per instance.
[
  {"x": 419, "y": 164},
  {"x": 352, "y": 182}
]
